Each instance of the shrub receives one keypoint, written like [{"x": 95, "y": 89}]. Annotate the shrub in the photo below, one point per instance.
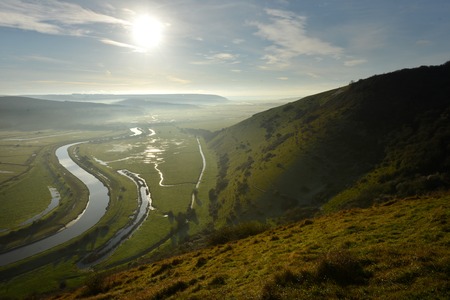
[
  {"x": 96, "y": 284},
  {"x": 342, "y": 267},
  {"x": 201, "y": 262},
  {"x": 171, "y": 290},
  {"x": 163, "y": 268},
  {"x": 240, "y": 231},
  {"x": 218, "y": 280}
]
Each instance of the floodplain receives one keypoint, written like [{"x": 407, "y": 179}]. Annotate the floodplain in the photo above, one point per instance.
[{"x": 170, "y": 156}]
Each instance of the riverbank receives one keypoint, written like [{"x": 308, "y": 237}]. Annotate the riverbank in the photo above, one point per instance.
[{"x": 95, "y": 209}]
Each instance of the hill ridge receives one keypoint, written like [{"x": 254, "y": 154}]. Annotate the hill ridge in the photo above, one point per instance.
[{"x": 310, "y": 151}]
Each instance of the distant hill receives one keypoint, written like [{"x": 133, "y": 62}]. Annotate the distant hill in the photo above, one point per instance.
[
  {"x": 93, "y": 111},
  {"x": 155, "y": 104},
  {"x": 378, "y": 138},
  {"x": 28, "y": 113},
  {"x": 192, "y": 99}
]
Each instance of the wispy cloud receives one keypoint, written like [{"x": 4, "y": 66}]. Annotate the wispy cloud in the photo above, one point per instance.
[
  {"x": 51, "y": 17},
  {"x": 43, "y": 59},
  {"x": 223, "y": 57},
  {"x": 238, "y": 41},
  {"x": 354, "y": 62},
  {"x": 218, "y": 58},
  {"x": 287, "y": 31},
  {"x": 123, "y": 45}
]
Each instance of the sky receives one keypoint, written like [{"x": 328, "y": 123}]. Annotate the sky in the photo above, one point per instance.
[{"x": 246, "y": 49}]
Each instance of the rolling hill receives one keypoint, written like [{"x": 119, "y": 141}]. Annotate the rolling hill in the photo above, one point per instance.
[
  {"x": 358, "y": 177},
  {"x": 28, "y": 113},
  {"x": 75, "y": 111},
  {"x": 371, "y": 141}
]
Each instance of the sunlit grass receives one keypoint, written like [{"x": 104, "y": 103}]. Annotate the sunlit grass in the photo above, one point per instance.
[{"x": 400, "y": 251}]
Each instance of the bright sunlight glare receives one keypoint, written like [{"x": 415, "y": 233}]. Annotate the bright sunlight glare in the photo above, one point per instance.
[{"x": 147, "y": 32}]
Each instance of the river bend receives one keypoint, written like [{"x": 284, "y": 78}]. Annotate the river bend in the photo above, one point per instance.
[{"x": 95, "y": 209}]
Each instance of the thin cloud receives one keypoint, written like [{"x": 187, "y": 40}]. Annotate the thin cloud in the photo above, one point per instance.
[
  {"x": 43, "y": 59},
  {"x": 65, "y": 82},
  {"x": 354, "y": 62},
  {"x": 51, "y": 17},
  {"x": 122, "y": 45},
  {"x": 223, "y": 57},
  {"x": 287, "y": 32},
  {"x": 238, "y": 41},
  {"x": 218, "y": 58}
]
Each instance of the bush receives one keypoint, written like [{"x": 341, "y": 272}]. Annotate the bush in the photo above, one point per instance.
[
  {"x": 218, "y": 280},
  {"x": 201, "y": 262},
  {"x": 342, "y": 267},
  {"x": 96, "y": 284},
  {"x": 171, "y": 290},
  {"x": 240, "y": 231}
]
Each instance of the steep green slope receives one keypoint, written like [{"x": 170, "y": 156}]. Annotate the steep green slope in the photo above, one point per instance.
[
  {"x": 374, "y": 139},
  {"x": 371, "y": 145}
]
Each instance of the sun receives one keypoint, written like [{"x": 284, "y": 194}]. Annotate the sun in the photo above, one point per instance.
[{"x": 147, "y": 32}]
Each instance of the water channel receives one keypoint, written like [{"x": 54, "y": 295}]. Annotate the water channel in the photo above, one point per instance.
[
  {"x": 145, "y": 206},
  {"x": 95, "y": 209}
]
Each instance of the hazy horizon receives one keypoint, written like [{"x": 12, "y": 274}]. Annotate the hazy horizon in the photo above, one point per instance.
[{"x": 239, "y": 49}]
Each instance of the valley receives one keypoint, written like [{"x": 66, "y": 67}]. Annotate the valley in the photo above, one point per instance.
[
  {"x": 340, "y": 193},
  {"x": 154, "y": 178}
]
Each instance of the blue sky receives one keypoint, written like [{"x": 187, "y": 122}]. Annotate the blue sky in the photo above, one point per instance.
[{"x": 258, "y": 49}]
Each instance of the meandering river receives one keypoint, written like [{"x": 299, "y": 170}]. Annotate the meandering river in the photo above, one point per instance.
[
  {"x": 95, "y": 209},
  {"x": 145, "y": 206}
]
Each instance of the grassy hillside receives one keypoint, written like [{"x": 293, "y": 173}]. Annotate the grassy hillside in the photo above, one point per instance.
[
  {"x": 373, "y": 140},
  {"x": 369, "y": 161},
  {"x": 398, "y": 250}
]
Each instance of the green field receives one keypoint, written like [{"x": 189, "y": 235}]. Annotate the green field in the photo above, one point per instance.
[
  {"x": 168, "y": 160},
  {"x": 179, "y": 162}
]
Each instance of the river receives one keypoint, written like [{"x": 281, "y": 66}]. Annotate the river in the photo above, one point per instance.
[
  {"x": 145, "y": 206},
  {"x": 201, "y": 173},
  {"x": 95, "y": 209}
]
